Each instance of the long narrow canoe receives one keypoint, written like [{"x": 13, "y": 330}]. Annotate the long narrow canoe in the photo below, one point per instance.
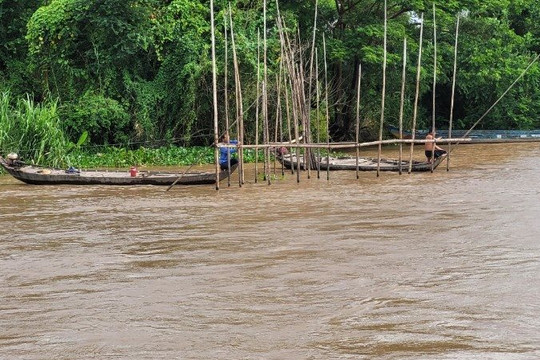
[
  {"x": 37, "y": 175},
  {"x": 364, "y": 164}
]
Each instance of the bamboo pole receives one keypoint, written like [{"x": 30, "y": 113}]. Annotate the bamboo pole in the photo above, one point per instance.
[
  {"x": 297, "y": 111},
  {"x": 298, "y": 119},
  {"x": 295, "y": 108},
  {"x": 214, "y": 92},
  {"x": 434, "y": 83},
  {"x": 327, "y": 111},
  {"x": 302, "y": 110},
  {"x": 357, "y": 135},
  {"x": 402, "y": 102},
  {"x": 226, "y": 94},
  {"x": 383, "y": 93},
  {"x": 308, "y": 102},
  {"x": 257, "y": 107},
  {"x": 265, "y": 99},
  {"x": 288, "y": 57},
  {"x": 352, "y": 144},
  {"x": 280, "y": 110},
  {"x": 294, "y": 103},
  {"x": 287, "y": 109},
  {"x": 277, "y": 128},
  {"x": 453, "y": 94},
  {"x": 286, "y": 88},
  {"x": 266, "y": 124},
  {"x": 239, "y": 106},
  {"x": 296, "y": 88},
  {"x": 318, "y": 112},
  {"x": 296, "y": 132},
  {"x": 296, "y": 135},
  {"x": 417, "y": 92}
]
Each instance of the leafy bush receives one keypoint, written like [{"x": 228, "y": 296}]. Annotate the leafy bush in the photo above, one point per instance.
[{"x": 105, "y": 119}]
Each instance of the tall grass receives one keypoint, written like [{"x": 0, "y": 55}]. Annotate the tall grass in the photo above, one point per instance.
[{"x": 32, "y": 130}]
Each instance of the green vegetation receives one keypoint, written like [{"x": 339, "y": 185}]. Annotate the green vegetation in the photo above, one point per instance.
[
  {"x": 122, "y": 158},
  {"x": 32, "y": 130},
  {"x": 138, "y": 73},
  {"x": 164, "y": 156}
]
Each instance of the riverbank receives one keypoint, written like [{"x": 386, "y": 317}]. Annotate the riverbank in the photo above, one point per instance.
[{"x": 115, "y": 157}]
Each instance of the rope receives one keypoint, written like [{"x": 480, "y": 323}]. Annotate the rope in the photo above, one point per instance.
[{"x": 500, "y": 98}]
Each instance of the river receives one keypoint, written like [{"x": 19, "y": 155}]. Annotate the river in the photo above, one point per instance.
[{"x": 442, "y": 265}]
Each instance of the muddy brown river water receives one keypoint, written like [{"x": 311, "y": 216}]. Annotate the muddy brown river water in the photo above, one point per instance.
[{"x": 442, "y": 265}]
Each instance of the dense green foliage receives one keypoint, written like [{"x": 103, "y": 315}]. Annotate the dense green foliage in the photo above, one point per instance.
[
  {"x": 32, "y": 130},
  {"x": 139, "y": 72}
]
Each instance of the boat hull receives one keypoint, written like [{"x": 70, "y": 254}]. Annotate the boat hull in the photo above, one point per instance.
[
  {"x": 36, "y": 175},
  {"x": 364, "y": 164}
]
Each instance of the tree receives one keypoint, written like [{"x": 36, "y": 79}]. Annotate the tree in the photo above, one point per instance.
[
  {"x": 150, "y": 60},
  {"x": 78, "y": 45},
  {"x": 14, "y": 15}
]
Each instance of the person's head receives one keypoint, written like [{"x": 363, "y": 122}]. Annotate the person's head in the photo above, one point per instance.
[
  {"x": 224, "y": 138},
  {"x": 12, "y": 158},
  {"x": 431, "y": 130}
]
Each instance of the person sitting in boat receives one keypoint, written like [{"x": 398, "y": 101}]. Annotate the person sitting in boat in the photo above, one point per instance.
[
  {"x": 281, "y": 151},
  {"x": 430, "y": 146},
  {"x": 13, "y": 160},
  {"x": 226, "y": 152}
]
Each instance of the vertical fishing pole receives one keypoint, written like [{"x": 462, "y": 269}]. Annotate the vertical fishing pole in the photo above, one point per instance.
[
  {"x": 450, "y": 125},
  {"x": 214, "y": 91},
  {"x": 402, "y": 103},
  {"x": 357, "y": 130},
  {"x": 383, "y": 93},
  {"x": 327, "y": 111},
  {"x": 434, "y": 88},
  {"x": 417, "y": 92}
]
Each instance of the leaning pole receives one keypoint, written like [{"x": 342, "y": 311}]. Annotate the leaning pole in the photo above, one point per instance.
[{"x": 214, "y": 91}]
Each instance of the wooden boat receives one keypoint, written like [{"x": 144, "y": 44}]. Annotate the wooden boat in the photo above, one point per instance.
[
  {"x": 37, "y": 175},
  {"x": 475, "y": 135},
  {"x": 364, "y": 164}
]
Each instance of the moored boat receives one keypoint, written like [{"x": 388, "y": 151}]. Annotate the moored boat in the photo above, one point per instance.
[
  {"x": 37, "y": 175},
  {"x": 364, "y": 164}
]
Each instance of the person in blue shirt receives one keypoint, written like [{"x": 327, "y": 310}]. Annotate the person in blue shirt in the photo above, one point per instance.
[{"x": 226, "y": 152}]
